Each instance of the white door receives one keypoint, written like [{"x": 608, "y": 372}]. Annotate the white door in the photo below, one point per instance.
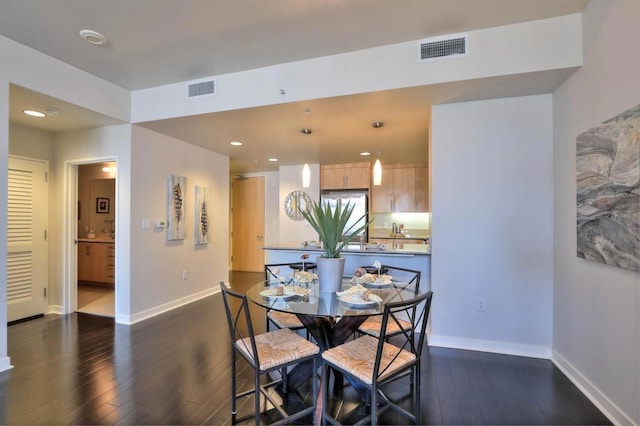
[{"x": 27, "y": 262}]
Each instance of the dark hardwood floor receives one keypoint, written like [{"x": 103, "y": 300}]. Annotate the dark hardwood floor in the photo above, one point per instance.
[{"x": 175, "y": 368}]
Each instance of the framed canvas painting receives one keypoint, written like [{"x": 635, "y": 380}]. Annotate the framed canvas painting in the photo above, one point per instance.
[
  {"x": 201, "y": 222},
  {"x": 608, "y": 191},
  {"x": 175, "y": 207}
]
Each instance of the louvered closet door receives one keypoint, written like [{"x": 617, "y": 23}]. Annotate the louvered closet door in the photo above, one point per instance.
[{"x": 26, "y": 239}]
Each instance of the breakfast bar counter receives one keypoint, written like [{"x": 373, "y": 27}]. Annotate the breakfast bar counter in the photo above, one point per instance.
[{"x": 409, "y": 256}]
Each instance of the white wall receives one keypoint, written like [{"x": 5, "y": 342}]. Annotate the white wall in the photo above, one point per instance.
[
  {"x": 30, "y": 142},
  {"x": 156, "y": 278},
  {"x": 492, "y": 225},
  {"x": 294, "y": 231},
  {"x": 511, "y": 49},
  {"x": 82, "y": 146},
  {"x": 36, "y": 71},
  {"x": 5, "y": 362},
  {"x": 596, "y": 307}
]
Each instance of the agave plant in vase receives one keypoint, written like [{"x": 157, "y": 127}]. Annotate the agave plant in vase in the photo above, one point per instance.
[{"x": 334, "y": 232}]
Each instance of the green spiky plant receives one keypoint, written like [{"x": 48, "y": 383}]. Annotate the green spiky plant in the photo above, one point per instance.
[{"x": 330, "y": 226}]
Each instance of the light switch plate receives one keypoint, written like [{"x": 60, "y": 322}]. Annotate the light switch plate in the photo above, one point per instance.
[{"x": 146, "y": 223}]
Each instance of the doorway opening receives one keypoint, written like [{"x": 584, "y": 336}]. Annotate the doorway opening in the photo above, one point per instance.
[{"x": 95, "y": 233}]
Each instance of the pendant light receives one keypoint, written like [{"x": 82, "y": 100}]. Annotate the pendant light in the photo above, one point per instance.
[
  {"x": 306, "y": 171},
  {"x": 377, "y": 167},
  {"x": 306, "y": 176}
]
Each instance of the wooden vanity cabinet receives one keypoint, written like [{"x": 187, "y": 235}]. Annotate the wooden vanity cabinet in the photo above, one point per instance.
[
  {"x": 96, "y": 262},
  {"x": 345, "y": 176}
]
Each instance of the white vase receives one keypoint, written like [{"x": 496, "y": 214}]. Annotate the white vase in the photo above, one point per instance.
[{"x": 330, "y": 272}]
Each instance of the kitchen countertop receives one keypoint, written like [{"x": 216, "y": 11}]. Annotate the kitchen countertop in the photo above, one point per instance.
[
  {"x": 406, "y": 249},
  {"x": 396, "y": 237},
  {"x": 97, "y": 240}
]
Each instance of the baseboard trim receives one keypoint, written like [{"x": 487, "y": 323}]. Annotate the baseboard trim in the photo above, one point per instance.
[
  {"x": 5, "y": 364},
  {"x": 157, "y": 310},
  {"x": 55, "y": 309},
  {"x": 599, "y": 399},
  {"x": 505, "y": 348}
]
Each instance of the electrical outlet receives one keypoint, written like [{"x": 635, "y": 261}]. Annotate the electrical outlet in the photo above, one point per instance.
[
  {"x": 185, "y": 274},
  {"x": 481, "y": 304}
]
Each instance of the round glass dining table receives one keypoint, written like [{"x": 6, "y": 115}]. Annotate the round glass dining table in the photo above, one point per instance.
[
  {"x": 329, "y": 318},
  {"x": 306, "y": 299}
]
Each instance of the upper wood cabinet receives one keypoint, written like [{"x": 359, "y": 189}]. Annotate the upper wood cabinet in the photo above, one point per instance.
[
  {"x": 422, "y": 189},
  {"x": 345, "y": 176},
  {"x": 403, "y": 189}
]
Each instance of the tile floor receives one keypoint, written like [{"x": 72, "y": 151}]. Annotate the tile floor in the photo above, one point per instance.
[{"x": 96, "y": 300}]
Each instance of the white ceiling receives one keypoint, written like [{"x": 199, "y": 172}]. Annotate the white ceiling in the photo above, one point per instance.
[{"x": 154, "y": 42}]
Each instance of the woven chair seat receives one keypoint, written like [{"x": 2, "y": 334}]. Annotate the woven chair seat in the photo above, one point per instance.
[
  {"x": 277, "y": 348},
  {"x": 373, "y": 326},
  {"x": 357, "y": 357},
  {"x": 284, "y": 319}
]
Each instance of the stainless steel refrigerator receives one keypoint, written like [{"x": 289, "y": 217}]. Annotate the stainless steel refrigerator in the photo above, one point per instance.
[{"x": 358, "y": 198}]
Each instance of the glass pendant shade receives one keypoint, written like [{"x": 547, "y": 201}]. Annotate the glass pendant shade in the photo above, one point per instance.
[
  {"x": 377, "y": 173},
  {"x": 306, "y": 176}
]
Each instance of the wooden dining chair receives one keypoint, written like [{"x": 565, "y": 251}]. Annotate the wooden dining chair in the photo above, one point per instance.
[
  {"x": 265, "y": 353},
  {"x": 373, "y": 363},
  {"x": 408, "y": 278}
]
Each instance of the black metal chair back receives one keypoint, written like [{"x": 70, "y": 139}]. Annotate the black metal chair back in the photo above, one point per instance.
[
  {"x": 417, "y": 310},
  {"x": 239, "y": 319}
]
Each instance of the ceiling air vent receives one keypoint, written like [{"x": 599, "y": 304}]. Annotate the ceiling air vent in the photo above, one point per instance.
[
  {"x": 201, "y": 88},
  {"x": 443, "y": 47}
]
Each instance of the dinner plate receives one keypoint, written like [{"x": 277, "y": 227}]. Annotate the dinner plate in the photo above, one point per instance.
[
  {"x": 356, "y": 301},
  {"x": 379, "y": 284}
]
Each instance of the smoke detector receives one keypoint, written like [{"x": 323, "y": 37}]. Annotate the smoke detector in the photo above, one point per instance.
[{"x": 93, "y": 37}]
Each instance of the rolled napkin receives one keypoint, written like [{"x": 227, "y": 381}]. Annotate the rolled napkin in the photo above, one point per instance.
[
  {"x": 371, "y": 296},
  {"x": 360, "y": 272},
  {"x": 363, "y": 293},
  {"x": 304, "y": 277},
  {"x": 284, "y": 290},
  {"x": 370, "y": 278}
]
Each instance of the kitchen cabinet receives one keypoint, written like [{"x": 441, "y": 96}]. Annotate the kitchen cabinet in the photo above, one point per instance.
[
  {"x": 422, "y": 189},
  {"x": 345, "y": 176},
  {"x": 403, "y": 189},
  {"x": 96, "y": 262}
]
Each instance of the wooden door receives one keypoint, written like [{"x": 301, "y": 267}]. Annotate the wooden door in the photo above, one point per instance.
[
  {"x": 247, "y": 230},
  {"x": 27, "y": 261}
]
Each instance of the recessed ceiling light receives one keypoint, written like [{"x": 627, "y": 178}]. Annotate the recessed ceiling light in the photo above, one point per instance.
[
  {"x": 33, "y": 113},
  {"x": 365, "y": 153},
  {"x": 273, "y": 160},
  {"x": 236, "y": 143},
  {"x": 93, "y": 37}
]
